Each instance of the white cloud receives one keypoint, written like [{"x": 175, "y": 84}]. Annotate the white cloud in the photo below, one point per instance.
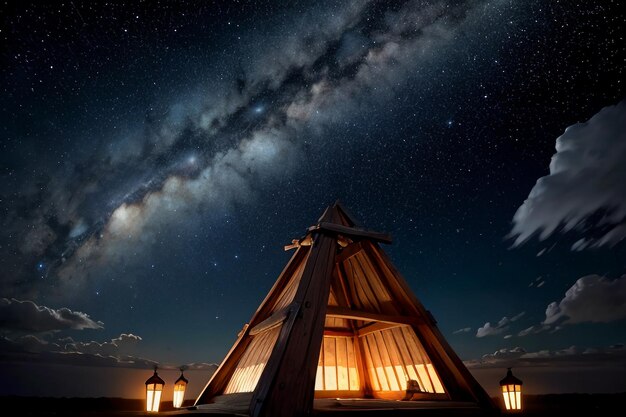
[
  {"x": 463, "y": 330},
  {"x": 491, "y": 330},
  {"x": 488, "y": 330},
  {"x": 27, "y": 316},
  {"x": 593, "y": 299},
  {"x": 533, "y": 330},
  {"x": 585, "y": 185}
]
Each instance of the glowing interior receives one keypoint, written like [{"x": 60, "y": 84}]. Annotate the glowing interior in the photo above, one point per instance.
[
  {"x": 179, "y": 395},
  {"x": 337, "y": 368},
  {"x": 512, "y": 395},
  {"x": 253, "y": 362},
  {"x": 153, "y": 397},
  {"x": 392, "y": 358}
]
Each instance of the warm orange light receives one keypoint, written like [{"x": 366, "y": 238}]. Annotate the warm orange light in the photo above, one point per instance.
[
  {"x": 154, "y": 389},
  {"x": 511, "y": 392},
  {"x": 179, "y": 390}
]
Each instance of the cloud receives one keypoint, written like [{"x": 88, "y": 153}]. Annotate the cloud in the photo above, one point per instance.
[
  {"x": 593, "y": 299},
  {"x": 463, "y": 330},
  {"x": 490, "y": 330},
  {"x": 112, "y": 353},
  {"x": 115, "y": 346},
  {"x": 584, "y": 192},
  {"x": 16, "y": 315},
  {"x": 566, "y": 357},
  {"x": 534, "y": 330}
]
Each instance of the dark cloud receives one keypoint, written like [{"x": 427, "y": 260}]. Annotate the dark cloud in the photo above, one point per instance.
[
  {"x": 567, "y": 357},
  {"x": 584, "y": 192},
  {"x": 16, "y": 315},
  {"x": 593, "y": 299},
  {"x": 112, "y": 353}
]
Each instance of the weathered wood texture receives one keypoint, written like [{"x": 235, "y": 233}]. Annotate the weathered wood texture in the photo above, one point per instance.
[
  {"x": 287, "y": 384},
  {"x": 341, "y": 322}
]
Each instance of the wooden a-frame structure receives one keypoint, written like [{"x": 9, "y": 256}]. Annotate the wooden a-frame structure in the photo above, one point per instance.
[{"x": 340, "y": 322}]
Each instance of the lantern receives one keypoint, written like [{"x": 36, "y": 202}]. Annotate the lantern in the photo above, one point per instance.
[
  {"x": 154, "y": 389},
  {"x": 511, "y": 392},
  {"x": 179, "y": 390}
]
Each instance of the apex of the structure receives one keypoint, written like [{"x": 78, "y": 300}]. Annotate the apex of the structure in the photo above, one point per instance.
[
  {"x": 338, "y": 213},
  {"x": 336, "y": 219}
]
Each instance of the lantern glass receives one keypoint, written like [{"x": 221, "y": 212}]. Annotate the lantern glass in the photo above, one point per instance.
[
  {"x": 179, "y": 393},
  {"x": 511, "y": 392},
  {"x": 153, "y": 397},
  {"x": 154, "y": 389}
]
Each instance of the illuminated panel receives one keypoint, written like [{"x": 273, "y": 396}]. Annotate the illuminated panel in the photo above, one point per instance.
[
  {"x": 394, "y": 356},
  {"x": 336, "y": 369},
  {"x": 179, "y": 394},
  {"x": 153, "y": 397},
  {"x": 252, "y": 362}
]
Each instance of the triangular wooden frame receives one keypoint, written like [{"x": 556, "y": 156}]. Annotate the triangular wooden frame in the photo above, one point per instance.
[{"x": 276, "y": 356}]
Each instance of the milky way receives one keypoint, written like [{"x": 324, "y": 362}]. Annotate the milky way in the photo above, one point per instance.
[{"x": 215, "y": 148}]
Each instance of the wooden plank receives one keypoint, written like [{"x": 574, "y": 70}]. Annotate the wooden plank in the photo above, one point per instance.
[
  {"x": 396, "y": 361},
  {"x": 417, "y": 359},
  {"x": 385, "y": 357},
  {"x": 349, "y": 251},
  {"x": 369, "y": 300},
  {"x": 365, "y": 384},
  {"x": 338, "y": 332},
  {"x": 378, "y": 283},
  {"x": 353, "y": 373},
  {"x": 406, "y": 356},
  {"x": 347, "y": 313},
  {"x": 293, "y": 360},
  {"x": 276, "y": 319},
  {"x": 376, "y": 326},
  {"x": 353, "y": 232},
  {"x": 330, "y": 364},
  {"x": 286, "y": 296},
  {"x": 319, "y": 375},
  {"x": 371, "y": 369},
  {"x": 378, "y": 368},
  {"x": 343, "y": 380}
]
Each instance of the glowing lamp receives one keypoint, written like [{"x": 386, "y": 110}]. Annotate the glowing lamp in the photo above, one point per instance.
[
  {"x": 511, "y": 392},
  {"x": 179, "y": 390},
  {"x": 154, "y": 389}
]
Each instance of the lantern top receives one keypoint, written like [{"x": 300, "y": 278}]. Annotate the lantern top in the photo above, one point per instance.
[
  {"x": 181, "y": 378},
  {"x": 509, "y": 379},
  {"x": 155, "y": 379}
]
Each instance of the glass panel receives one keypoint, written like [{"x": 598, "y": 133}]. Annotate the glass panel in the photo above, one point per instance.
[{"x": 505, "y": 395}]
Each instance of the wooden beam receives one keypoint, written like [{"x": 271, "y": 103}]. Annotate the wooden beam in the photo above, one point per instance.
[
  {"x": 338, "y": 331},
  {"x": 287, "y": 384},
  {"x": 272, "y": 321},
  {"x": 347, "y": 313},
  {"x": 351, "y": 231},
  {"x": 374, "y": 327},
  {"x": 349, "y": 251}
]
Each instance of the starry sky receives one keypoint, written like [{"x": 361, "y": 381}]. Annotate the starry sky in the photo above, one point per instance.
[{"x": 156, "y": 157}]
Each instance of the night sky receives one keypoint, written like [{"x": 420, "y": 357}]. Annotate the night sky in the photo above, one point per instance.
[{"x": 156, "y": 157}]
